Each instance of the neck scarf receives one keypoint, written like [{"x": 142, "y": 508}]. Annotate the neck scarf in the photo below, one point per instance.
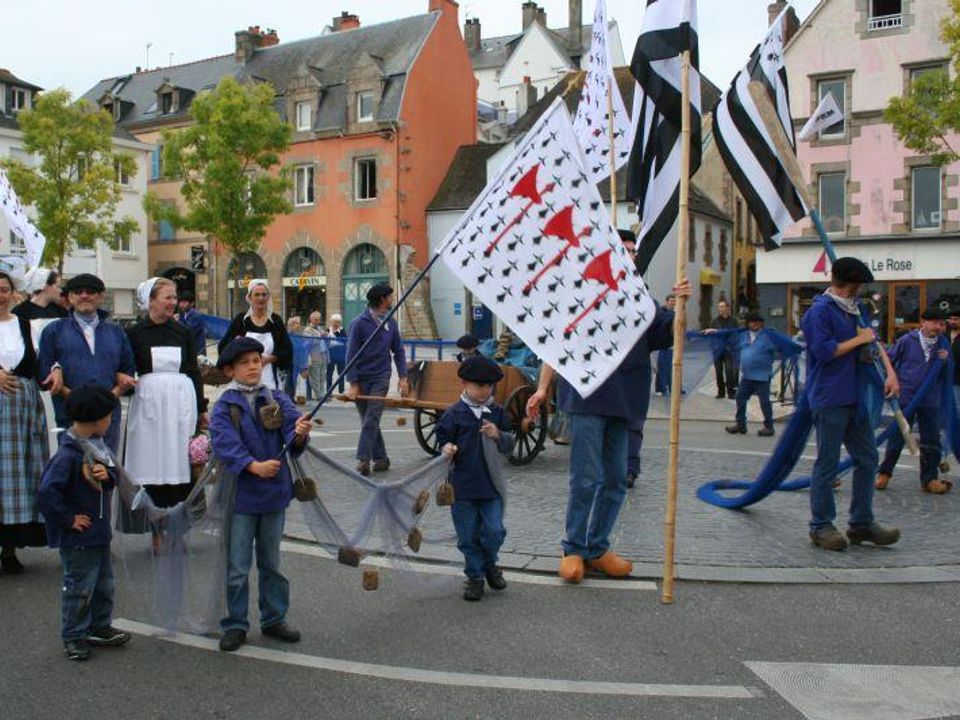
[
  {"x": 88, "y": 324},
  {"x": 478, "y": 409},
  {"x": 927, "y": 345},
  {"x": 848, "y": 305}
]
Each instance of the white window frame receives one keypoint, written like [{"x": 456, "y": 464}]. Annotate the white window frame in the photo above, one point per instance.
[
  {"x": 24, "y": 101},
  {"x": 300, "y": 109},
  {"x": 304, "y": 193},
  {"x": 935, "y": 226},
  {"x": 884, "y": 22},
  {"x": 358, "y": 170},
  {"x": 124, "y": 247},
  {"x": 163, "y": 98},
  {"x": 824, "y": 134},
  {"x": 820, "y": 179},
  {"x": 360, "y": 98},
  {"x": 123, "y": 179}
]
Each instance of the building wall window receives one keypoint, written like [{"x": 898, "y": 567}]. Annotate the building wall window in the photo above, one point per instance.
[
  {"x": 708, "y": 246},
  {"x": 303, "y": 185},
  {"x": 837, "y": 88},
  {"x": 692, "y": 243},
  {"x": 925, "y": 198},
  {"x": 304, "y": 116},
  {"x": 123, "y": 245},
  {"x": 165, "y": 231},
  {"x": 723, "y": 251},
  {"x": 919, "y": 72},
  {"x": 123, "y": 177},
  {"x": 166, "y": 103},
  {"x": 156, "y": 163},
  {"x": 885, "y": 14},
  {"x": 833, "y": 201},
  {"x": 739, "y": 220},
  {"x": 364, "y": 106},
  {"x": 365, "y": 179},
  {"x": 18, "y": 99}
]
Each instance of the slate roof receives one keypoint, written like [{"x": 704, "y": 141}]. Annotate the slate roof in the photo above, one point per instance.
[
  {"x": 328, "y": 59},
  {"x": 466, "y": 177},
  {"x": 8, "y": 78},
  {"x": 495, "y": 51}
]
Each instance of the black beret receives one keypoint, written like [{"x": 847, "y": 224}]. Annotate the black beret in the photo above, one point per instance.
[
  {"x": 89, "y": 403},
  {"x": 236, "y": 348},
  {"x": 627, "y": 236},
  {"x": 466, "y": 342},
  {"x": 954, "y": 312},
  {"x": 851, "y": 270},
  {"x": 378, "y": 292},
  {"x": 754, "y": 317},
  {"x": 85, "y": 281},
  {"x": 481, "y": 370},
  {"x": 187, "y": 296},
  {"x": 933, "y": 314}
]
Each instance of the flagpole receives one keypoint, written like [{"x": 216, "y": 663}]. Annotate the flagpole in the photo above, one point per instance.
[
  {"x": 679, "y": 328},
  {"x": 791, "y": 164},
  {"x": 613, "y": 154}
]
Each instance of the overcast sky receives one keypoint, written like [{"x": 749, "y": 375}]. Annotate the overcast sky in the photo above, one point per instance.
[{"x": 74, "y": 44}]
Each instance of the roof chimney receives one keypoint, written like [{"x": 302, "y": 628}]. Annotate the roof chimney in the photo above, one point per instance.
[
  {"x": 346, "y": 21},
  {"x": 574, "y": 25},
  {"x": 526, "y": 96},
  {"x": 442, "y": 5},
  {"x": 247, "y": 42},
  {"x": 471, "y": 34},
  {"x": 791, "y": 23},
  {"x": 542, "y": 17},
  {"x": 530, "y": 11}
]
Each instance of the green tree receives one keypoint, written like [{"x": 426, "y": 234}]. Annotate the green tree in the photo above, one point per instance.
[
  {"x": 930, "y": 112},
  {"x": 224, "y": 160},
  {"x": 74, "y": 186}
]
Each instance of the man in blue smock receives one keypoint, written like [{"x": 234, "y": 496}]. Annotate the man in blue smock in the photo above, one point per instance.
[
  {"x": 838, "y": 355},
  {"x": 913, "y": 355},
  {"x": 371, "y": 374},
  {"x": 190, "y": 318},
  {"x": 86, "y": 348},
  {"x": 756, "y": 351}
]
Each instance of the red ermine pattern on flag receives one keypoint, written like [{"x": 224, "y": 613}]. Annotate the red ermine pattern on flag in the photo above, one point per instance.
[
  {"x": 538, "y": 249},
  {"x": 592, "y": 122}
]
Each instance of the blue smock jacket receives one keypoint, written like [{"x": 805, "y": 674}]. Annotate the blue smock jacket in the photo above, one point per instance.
[
  {"x": 374, "y": 364},
  {"x": 458, "y": 425},
  {"x": 831, "y": 381},
  {"x": 906, "y": 355}
]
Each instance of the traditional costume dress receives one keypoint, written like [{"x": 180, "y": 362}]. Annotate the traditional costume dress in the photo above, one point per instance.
[
  {"x": 24, "y": 446},
  {"x": 272, "y": 335}
]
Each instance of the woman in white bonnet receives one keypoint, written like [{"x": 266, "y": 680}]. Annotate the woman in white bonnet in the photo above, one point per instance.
[{"x": 266, "y": 327}]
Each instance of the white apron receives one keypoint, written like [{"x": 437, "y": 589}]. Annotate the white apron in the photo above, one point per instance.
[
  {"x": 160, "y": 423},
  {"x": 269, "y": 371}
]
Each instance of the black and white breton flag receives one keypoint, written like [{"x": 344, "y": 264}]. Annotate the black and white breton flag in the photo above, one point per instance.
[
  {"x": 653, "y": 179},
  {"x": 746, "y": 147}
]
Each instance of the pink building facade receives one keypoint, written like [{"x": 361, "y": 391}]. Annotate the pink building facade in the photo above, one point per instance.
[{"x": 880, "y": 201}]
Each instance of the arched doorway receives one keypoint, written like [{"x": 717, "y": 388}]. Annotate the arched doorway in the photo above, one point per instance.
[
  {"x": 304, "y": 284},
  {"x": 364, "y": 267},
  {"x": 250, "y": 266},
  {"x": 185, "y": 279}
]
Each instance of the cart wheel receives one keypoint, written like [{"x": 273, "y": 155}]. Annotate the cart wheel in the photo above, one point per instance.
[
  {"x": 530, "y": 435},
  {"x": 425, "y": 428}
]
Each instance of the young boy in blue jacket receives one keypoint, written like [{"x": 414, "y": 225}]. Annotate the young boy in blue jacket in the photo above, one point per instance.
[
  {"x": 478, "y": 486},
  {"x": 74, "y": 497},
  {"x": 264, "y": 488}
]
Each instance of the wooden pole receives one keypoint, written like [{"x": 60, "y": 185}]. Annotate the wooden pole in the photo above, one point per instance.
[
  {"x": 679, "y": 328},
  {"x": 613, "y": 153},
  {"x": 791, "y": 164}
]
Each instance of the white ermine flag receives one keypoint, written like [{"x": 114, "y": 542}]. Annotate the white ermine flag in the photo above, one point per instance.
[
  {"x": 20, "y": 224},
  {"x": 538, "y": 249},
  {"x": 827, "y": 113}
]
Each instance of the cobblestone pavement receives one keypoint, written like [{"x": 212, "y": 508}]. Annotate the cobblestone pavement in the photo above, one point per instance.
[{"x": 771, "y": 536}]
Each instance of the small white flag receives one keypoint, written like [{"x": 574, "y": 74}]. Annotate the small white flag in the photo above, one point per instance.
[
  {"x": 537, "y": 247},
  {"x": 592, "y": 122},
  {"x": 827, "y": 113}
]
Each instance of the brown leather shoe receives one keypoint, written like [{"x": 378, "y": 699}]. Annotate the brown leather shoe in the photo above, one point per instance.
[
  {"x": 363, "y": 467},
  {"x": 938, "y": 487},
  {"x": 612, "y": 564},
  {"x": 882, "y": 481},
  {"x": 571, "y": 569}
]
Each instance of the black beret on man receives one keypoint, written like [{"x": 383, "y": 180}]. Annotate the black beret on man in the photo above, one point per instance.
[
  {"x": 467, "y": 342},
  {"x": 933, "y": 314},
  {"x": 754, "y": 317},
  {"x": 237, "y": 347},
  {"x": 627, "y": 236},
  {"x": 481, "y": 370},
  {"x": 85, "y": 281},
  {"x": 89, "y": 403},
  {"x": 851, "y": 270},
  {"x": 377, "y": 293}
]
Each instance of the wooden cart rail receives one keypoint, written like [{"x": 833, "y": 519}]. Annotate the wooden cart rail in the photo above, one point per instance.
[{"x": 394, "y": 402}]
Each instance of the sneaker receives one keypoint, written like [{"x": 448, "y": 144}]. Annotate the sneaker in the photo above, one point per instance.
[
  {"x": 472, "y": 589},
  {"x": 282, "y": 632},
  {"x": 875, "y": 533},
  {"x": 381, "y": 465},
  {"x": 736, "y": 429},
  {"x": 108, "y": 637},
  {"x": 232, "y": 640},
  {"x": 76, "y": 649},
  {"x": 363, "y": 467},
  {"x": 495, "y": 579},
  {"x": 631, "y": 480},
  {"x": 766, "y": 432},
  {"x": 10, "y": 565},
  {"x": 829, "y": 538}
]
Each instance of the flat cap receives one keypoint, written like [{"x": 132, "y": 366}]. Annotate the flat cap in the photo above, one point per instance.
[
  {"x": 237, "y": 347},
  {"x": 85, "y": 281},
  {"x": 480, "y": 369},
  {"x": 89, "y": 403},
  {"x": 851, "y": 270}
]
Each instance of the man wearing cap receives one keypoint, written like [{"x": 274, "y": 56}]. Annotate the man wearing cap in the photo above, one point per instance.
[
  {"x": 838, "y": 352},
  {"x": 468, "y": 346},
  {"x": 756, "y": 355},
  {"x": 913, "y": 356},
  {"x": 86, "y": 348},
  {"x": 370, "y": 375},
  {"x": 190, "y": 318}
]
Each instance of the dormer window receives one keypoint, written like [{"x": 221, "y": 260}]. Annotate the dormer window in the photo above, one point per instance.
[
  {"x": 364, "y": 107},
  {"x": 166, "y": 103},
  {"x": 885, "y": 14},
  {"x": 304, "y": 116},
  {"x": 18, "y": 99}
]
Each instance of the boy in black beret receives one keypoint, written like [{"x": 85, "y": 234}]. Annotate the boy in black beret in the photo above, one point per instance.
[
  {"x": 473, "y": 431},
  {"x": 74, "y": 498},
  {"x": 249, "y": 427},
  {"x": 468, "y": 346}
]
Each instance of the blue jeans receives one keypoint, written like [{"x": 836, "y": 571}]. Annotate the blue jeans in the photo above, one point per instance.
[
  {"x": 664, "y": 370},
  {"x": 370, "y": 445},
  {"x": 598, "y": 483},
  {"x": 480, "y": 533},
  {"x": 762, "y": 390},
  {"x": 634, "y": 444},
  {"x": 929, "y": 420},
  {"x": 836, "y": 426},
  {"x": 87, "y": 592},
  {"x": 267, "y": 530}
]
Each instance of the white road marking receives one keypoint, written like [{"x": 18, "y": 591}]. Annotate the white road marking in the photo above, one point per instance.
[
  {"x": 867, "y": 692},
  {"x": 450, "y": 679},
  {"x": 451, "y": 571}
]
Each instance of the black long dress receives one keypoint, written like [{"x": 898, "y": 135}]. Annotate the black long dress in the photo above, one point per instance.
[{"x": 282, "y": 345}]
